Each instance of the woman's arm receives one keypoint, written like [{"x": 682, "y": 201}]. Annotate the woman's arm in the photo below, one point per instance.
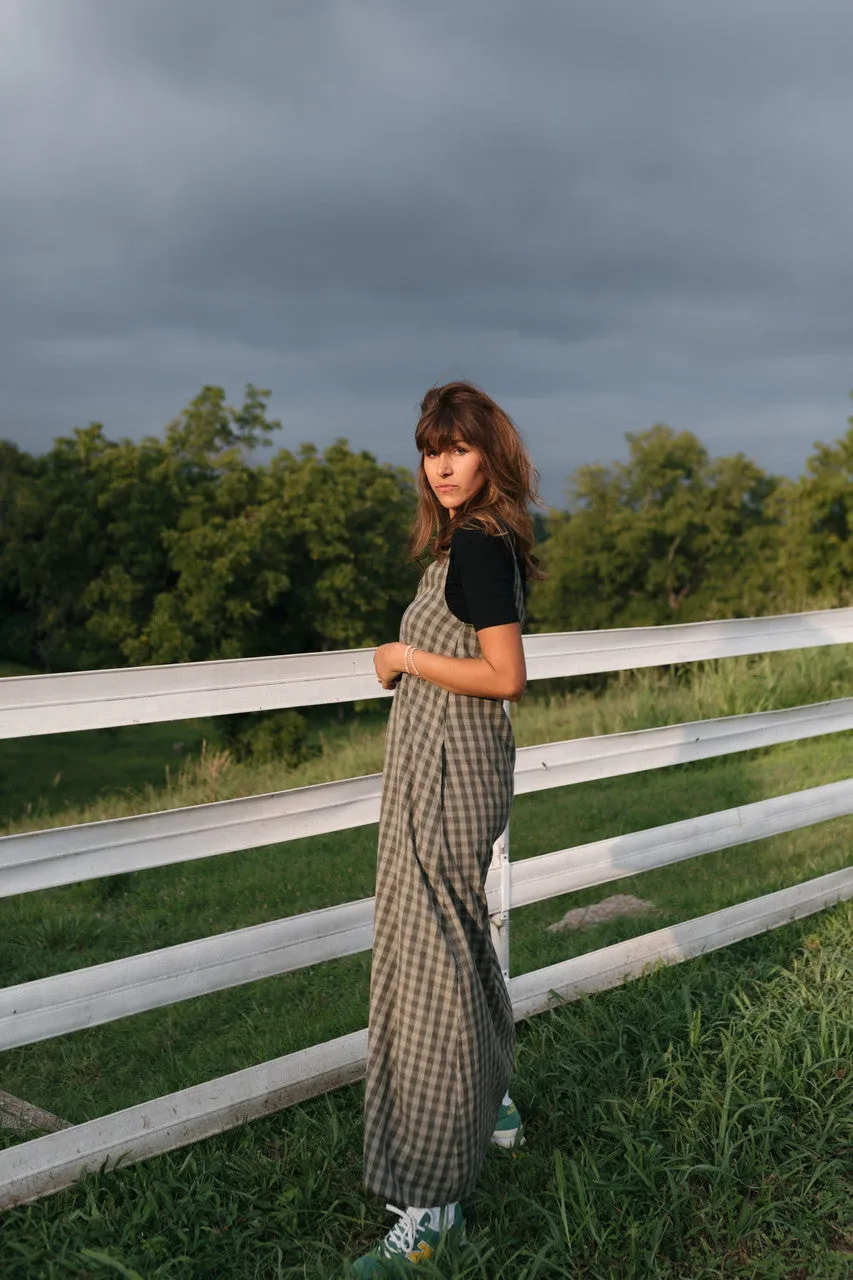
[{"x": 500, "y": 673}]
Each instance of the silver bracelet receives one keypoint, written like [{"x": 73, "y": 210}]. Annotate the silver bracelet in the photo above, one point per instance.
[
  {"x": 417, "y": 673},
  {"x": 409, "y": 649}
]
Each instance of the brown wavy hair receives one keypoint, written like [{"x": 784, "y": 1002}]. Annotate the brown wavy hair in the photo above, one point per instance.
[{"x": 461, "y": 411}]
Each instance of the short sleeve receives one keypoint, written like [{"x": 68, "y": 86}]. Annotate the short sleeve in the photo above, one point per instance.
[{"x": 485, "y": 565}]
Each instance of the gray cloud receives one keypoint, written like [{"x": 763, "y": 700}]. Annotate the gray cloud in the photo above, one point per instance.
[{"x": 610, "y": 214}]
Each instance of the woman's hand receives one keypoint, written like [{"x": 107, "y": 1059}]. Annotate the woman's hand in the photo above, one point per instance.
[{"x": 389, "y": 661}]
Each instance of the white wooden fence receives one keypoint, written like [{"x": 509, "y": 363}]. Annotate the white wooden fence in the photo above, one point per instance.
[{"x": 37, "y": 1010}]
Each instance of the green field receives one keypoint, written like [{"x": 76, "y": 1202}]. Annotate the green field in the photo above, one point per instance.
[
  {"x": 693, "y": 1125},
  {"x": 604, "y": 1053},
  {"x": 98, "y": 1070}
]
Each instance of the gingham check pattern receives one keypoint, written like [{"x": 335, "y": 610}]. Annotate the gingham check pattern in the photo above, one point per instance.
[{"x": 441, "y": 1032}]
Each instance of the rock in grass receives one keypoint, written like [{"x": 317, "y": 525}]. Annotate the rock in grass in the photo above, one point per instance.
[{"x": 618, "y": 904}]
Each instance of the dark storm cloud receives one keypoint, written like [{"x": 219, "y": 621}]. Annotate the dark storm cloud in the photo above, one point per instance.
[{"x": 608, "y": 213}]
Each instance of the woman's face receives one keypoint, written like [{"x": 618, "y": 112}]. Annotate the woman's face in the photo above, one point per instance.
[{"x": 454, "y": 475}]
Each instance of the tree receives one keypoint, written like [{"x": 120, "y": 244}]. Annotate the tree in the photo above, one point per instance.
[
  {"x": 663, "y": 537},
  {"x": 816, "y": 514},
  {"x": 17, "y": 616},
  {"x": 160, "y": 495},
  {"x": 188, "y": 548},
  {"x": 350, "y": 517},
  {"x": 302, "y": 554},
  {"x": 305, "y": 554},
  {"x": 53, "y": 545}
]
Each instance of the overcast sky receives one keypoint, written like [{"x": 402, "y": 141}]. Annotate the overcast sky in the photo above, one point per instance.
[{"x": 610, "y": 213}]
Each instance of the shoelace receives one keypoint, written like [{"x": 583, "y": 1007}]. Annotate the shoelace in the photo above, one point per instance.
[{"x": 402, "y": 1235}]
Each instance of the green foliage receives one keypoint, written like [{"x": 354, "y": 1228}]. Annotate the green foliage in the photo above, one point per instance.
[
  {"x": 692, "y": 1124},
  {"x": 816, "y": 516},
  {"x": 186, "y": 548},
  {"x": 281, "y": 736},
  {"x": 189, "y": 548},
  {"x": 656, "y": 539},
  {"x": 351, "y": 520},
  {"x": 673, "y": 535},
  {"x": 53, "y": 545},
  {"x": 305, "y": 554},
  {"x": 17, "y": 620}
]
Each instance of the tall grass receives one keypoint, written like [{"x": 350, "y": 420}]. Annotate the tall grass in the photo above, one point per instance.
[{"x": 693, "y": 1125}]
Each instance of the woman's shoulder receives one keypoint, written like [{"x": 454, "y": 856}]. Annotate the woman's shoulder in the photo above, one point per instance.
[
  {"x": 475, "y": 543},
  {"x": 476, "y": 533}
]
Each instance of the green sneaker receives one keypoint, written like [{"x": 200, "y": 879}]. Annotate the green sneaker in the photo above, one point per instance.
[
  {"x": 509, "y": 1131},
  {"x": 410, "y": 1241}
]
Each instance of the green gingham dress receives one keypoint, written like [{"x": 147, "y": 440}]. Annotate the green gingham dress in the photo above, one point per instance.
[{"x": 441, "y": 1033}]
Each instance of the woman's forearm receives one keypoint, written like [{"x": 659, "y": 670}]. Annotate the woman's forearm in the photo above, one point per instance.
[
  {"x": 474, "y": 676},
  {"x": 500, "y": 673}
]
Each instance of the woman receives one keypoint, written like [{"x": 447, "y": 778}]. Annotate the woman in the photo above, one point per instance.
[{"x": 441, "y": 1032}]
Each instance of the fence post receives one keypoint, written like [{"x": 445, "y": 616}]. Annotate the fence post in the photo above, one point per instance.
[{"x": 500, "y": 920}]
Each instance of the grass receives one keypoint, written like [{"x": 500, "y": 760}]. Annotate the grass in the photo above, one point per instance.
[
  {"x": 43, "y": 780},
  {"x": 695, "y": 1124},
  {"x": 608, "y": 1084},
  {"x": 104, "y": 1068}
]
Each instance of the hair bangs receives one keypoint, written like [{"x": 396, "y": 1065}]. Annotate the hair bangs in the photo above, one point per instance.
[{"x": 437, "y": 431}]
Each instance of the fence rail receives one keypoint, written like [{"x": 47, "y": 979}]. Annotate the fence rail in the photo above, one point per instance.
[
  {"x": 46, "y": 1007},
  {"x": 67, "y": 855},
  {"x": 31, "y": 705},
  {"x": 37, "y": 1010},
  {"x": 57, "y": 1160}
]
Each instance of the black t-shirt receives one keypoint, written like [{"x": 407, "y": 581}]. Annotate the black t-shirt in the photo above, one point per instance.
[{"x": 480, "y": 585}]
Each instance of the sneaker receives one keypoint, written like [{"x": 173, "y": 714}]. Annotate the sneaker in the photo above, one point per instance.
[
  {"x": 509, "y": 1131},
  {"x": 410, "y": 1241}
]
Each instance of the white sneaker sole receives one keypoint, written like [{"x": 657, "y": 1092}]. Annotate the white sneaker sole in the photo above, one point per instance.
[{"x": 509, "y": 1139}]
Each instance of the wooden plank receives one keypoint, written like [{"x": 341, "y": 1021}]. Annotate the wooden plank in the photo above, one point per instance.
[
  {"x": 560, "y": 764},
  {"x": 66, "y": 855},
  {"x": 65, "y": 1002},
  {"x": 602, "y": 861},
  {"x": 31, "y": 705},
  {"x": 607, "y": 967},
  {"x": 47, "y": 1164},
  {"x": 37, "y": 1010},
  {"x": 626, "y": 648}
]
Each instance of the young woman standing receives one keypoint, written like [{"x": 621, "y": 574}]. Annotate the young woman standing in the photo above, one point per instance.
[{"x": 441, "y": 1031}]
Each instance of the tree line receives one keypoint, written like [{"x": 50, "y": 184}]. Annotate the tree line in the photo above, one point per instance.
[{"x": 195, "y": 546}]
